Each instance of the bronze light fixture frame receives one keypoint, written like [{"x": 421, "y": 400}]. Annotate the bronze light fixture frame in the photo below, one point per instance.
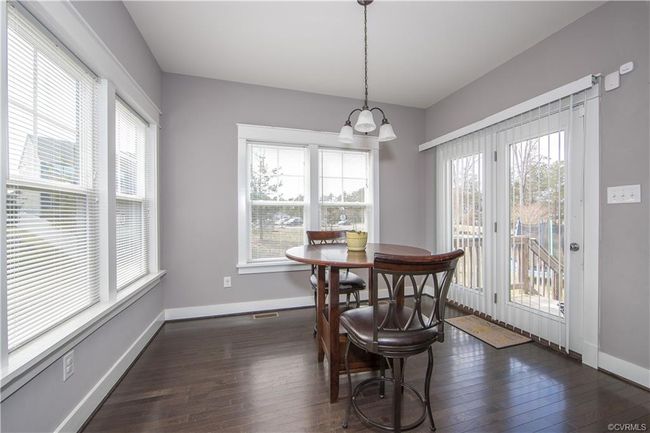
[{"x": 384, "y": 121}]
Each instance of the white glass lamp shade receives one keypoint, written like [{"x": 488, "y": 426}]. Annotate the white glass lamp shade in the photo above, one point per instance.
[
  {"x": 347, "y": 134},
  {"x": 386, "y": 132},
  {"x": 365, "y": 122}
]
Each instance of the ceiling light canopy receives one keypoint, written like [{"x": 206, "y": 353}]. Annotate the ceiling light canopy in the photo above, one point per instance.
[{"x": 365, "y": 121}]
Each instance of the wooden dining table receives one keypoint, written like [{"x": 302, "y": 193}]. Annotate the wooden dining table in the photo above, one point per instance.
[{"x": 330, "y": 341}]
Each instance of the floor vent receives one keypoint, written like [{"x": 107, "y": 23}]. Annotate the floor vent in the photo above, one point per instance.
[{"x": 272, "y": 315}]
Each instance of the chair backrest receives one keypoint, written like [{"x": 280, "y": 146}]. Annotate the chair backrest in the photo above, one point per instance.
[
  {"x": 399, "y": 271},
  {"x": 323, "y": 237},
  {"x": 316, "y": 237}
]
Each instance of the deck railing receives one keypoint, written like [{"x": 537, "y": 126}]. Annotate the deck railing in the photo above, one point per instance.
[
  {"x": 469, "y": 268},
  {"x": 534, "y": 272}
]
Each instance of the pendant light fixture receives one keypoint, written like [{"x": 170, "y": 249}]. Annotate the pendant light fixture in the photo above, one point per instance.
[{"x": 365, "y": 121}]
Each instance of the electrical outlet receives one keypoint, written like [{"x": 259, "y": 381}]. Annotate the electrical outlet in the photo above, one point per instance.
[
  {"x": 227, "y": 282},
  {"x": 68, "y": 365}
]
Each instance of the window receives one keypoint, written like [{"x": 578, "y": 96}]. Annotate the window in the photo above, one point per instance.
[
  {"x": 52, "y": 229},
  {"x": 277, "y": 200},
  {"x": 344, "y": 190},
  {"x": 73, "y": 239},
  {"x": 130, "y": 192},
  {"x": 537, "y": 194},
  {"x": 291, "y": 181}
]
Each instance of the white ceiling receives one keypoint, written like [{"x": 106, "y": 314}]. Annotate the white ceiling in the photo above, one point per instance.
[{"x": 419, "y": 52}]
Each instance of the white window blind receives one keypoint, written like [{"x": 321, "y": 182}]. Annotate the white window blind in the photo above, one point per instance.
[
  {"x": 130, "y": 191},
  {"x": 278, "y": 185},
  {"x": 345, "y": 196},
  {"x": 52, "y": 209}
]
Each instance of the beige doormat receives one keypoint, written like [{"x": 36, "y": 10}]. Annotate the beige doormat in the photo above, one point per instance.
[{"x": 492, "y": 334}]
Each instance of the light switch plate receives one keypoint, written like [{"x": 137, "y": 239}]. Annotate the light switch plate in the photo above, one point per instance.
[
  {"x": 624, "y": 194},
  {"x": 612, "y": 81}
]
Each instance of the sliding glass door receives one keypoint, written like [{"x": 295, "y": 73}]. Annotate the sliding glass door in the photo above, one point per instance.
[
  {"x": 464, "y": 216},
  {"x": 537, "y": 192},
  {"x": 511, "y": 196},
  {"x": 540, "y": 194}
]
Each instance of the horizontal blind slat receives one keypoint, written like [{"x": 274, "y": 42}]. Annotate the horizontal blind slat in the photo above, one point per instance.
[
  {"x": 130, "y": 180},
  {"x": 344, "y": 189},
  {"x": 52, "y": 233}
]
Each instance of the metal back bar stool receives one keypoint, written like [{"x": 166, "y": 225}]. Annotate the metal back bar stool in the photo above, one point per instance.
[
  {"x": 349, "y": 283},
  {"x": 395, "y": 331}
]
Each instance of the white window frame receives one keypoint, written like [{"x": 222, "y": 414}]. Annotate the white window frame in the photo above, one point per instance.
[
  {"x": 141, "y": 196},
  {"x": 367, "y": 205},
  {"x": 64, "y": 21},
  {"x": 313, "y": 141}
]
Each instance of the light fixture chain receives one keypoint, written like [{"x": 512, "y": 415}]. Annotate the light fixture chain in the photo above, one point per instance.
[
  {"x": 365, "y": 121},
  {"x": 365, "y": 51}
]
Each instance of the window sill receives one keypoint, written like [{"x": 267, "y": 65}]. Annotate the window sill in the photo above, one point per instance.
[
  {"x": 28, "y": 361},
  {"x": 268, "y": 267}
]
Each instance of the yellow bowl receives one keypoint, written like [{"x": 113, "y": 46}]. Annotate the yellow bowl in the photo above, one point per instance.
[{"x": 356, "y": 240}]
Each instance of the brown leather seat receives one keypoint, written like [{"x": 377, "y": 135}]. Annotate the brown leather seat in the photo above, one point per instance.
[
  {"x": 359, "y": 325},
  {"x": 346, "y": 278}
]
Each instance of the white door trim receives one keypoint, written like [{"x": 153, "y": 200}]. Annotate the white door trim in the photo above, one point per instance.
[{"x": 591, "y": 226}]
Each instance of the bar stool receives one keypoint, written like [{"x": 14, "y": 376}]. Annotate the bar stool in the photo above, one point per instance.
[
  {"x": 396, "y": 332},
  {"x": 349, "y": 283}
]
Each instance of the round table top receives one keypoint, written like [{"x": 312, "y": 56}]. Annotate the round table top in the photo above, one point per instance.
[{"x": 338, "y": 255}]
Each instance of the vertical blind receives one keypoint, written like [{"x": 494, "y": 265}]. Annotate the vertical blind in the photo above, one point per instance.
[
  {"x": 525, "y": 189},
  {"x": 52, "y": 210},
  {"x": 130, "y": 189},
  {"x": 462, "y": 204}
]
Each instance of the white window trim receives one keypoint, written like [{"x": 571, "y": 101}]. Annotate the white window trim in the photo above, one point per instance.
[
  {"x": 63, "y": 20},
  {"x": 313, "y": 140},
  {"x": 141, "y": 196},
  {"x": 4, "y": 172}
]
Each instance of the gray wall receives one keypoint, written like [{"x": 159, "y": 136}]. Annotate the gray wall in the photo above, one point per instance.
[
  {"x": 598, "y": 42},
  {"x": 44, "y": 402},
  {"x": 114, "y": 25},
  {"x": 199, "y": 182}
]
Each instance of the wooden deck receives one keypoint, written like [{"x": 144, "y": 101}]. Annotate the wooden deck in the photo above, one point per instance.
[{"x": 243, "y": 375}]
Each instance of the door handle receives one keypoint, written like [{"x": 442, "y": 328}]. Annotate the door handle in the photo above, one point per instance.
[{"x": 574, "y": 246}]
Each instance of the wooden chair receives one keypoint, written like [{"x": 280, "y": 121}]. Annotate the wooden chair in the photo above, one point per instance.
[
  {"x": 396, "y": 332},
  {"x": 349, "y": 283}
]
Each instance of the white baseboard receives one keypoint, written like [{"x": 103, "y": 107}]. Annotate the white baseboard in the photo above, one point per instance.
[
  {"x": 237, "y": 308},
  {"x": 625, "y": 369},
  {"x": 75, "y": 419},
  {"x": 590, "y": 354},
  {"x": 216, "y": 310}
]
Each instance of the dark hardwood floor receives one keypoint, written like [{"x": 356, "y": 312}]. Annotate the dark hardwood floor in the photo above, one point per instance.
[{"x": 244, "y": 375}]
